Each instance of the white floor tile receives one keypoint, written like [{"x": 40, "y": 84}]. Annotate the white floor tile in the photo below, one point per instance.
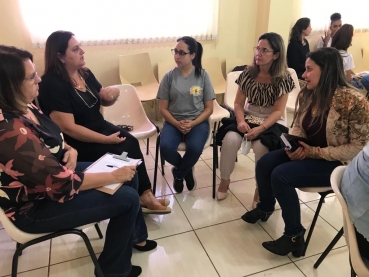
[
  {"x": 42, "y": 272},
  {"x": 289, "y": 270},
  {"x": 71, "y": 247},
  {"x": 244, "y": 168},
  {"x": 235, "y": 248},
  {"x": 331, "y": 211},
  {"x": 203, "y": 175},
  {"x": 74, "y": 268},
  {"x": 244, "y": 191},
  {"x": 180, "y": 256},
  {"x": 202, "y": 210},
  {"x": 162, "y": 187},
  {"x": 35, "y": 256},
  {"x": 335, "y": 264},
  {"x": 322, "y": 235},
  {"x": 160, "y": 226}
]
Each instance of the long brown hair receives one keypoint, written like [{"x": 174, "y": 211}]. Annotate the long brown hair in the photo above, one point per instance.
[
  {"x": 278, "y": 69},
  {"x": 332, "y": 77},
  {"x": 12, "y": 74},
  {"x": 343, "y": 37},
  {"x": 57, "y": 44}
]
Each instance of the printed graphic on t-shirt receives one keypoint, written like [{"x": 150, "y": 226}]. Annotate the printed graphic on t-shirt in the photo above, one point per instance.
[{"x": 196, "y": 90}]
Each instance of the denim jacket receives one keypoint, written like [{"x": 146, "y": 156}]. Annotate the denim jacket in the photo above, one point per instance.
[
  {"x": 347, "y": 127},
  {"x": 355, "y": 190}
]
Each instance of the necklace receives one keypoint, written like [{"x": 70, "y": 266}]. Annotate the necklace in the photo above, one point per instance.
[
  {"x": 93, "y": 95},
  {"x": 314, "y": 112},
  {"x": 83, "y": 82}
]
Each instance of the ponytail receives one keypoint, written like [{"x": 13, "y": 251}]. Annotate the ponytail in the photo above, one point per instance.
[
  {"x": 194, "y": 47},
  {"x": 197, "y": 60}
]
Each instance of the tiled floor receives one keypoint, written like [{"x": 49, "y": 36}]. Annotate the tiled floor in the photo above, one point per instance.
[{"x": 201, "y": 237}]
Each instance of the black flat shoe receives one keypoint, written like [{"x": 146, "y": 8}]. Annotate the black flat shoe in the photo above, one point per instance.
[
  {"x": 177, "y": 183},
  {"x": 136, "y": 271},
  {"x": 150, "y": 245},
  {"x": 255, "y": 215},
  {"x": 285, "y": 245}
]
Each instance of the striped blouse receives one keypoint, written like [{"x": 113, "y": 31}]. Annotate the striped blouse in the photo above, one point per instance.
[{"x": 263, "y": 94}]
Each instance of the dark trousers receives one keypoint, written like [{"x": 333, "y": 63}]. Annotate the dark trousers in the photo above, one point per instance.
[
  {"x": 277, "y": 177},
  {"x": 195, "y": 140},
  {"x": 126, "y": 226},
  {"x": 90, "y": 152}
]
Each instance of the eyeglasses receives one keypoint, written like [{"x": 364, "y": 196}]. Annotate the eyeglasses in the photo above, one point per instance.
[
  {"x": 181, "y": 53},
  {"x": 262, "y": 50},
  {"x": 32, "y": 77}
]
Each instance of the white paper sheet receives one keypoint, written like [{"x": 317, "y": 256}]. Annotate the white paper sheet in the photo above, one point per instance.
[{"x": 108, "y": 164}]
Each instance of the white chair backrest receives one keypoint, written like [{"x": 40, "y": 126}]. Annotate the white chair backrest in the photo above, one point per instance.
[
  {"x": 357, "y": 263},
  {"x": 292, "y": 96},
  {"x": 164, "y": 67},
  {"x": 231, "y": 88},
  {"x": 136, "y": 68},
  {"x": 218, "y": 113},
  {"x": 13, "y": 232},
  {"x": 128, "y": 110}
]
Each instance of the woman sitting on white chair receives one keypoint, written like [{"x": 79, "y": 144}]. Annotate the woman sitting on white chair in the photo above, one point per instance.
[
  {"x": 186, "y": 102},
  {"x": 265, "y": 85},
  {"x": 355, "y": 190},
  {"x": 43, "y": 188}
]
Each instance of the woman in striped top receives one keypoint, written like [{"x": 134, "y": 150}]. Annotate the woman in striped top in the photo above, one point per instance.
[{"x": 265, "y": 84}]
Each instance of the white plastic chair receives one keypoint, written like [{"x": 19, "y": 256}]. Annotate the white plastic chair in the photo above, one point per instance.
[
  {"x": 358, "y": 266},
  {"x": 128, "y": 110},
  {"x": 136, "y": 70},
  {"x": 25, "y": 240},
  {"x": 292, "y": 96},
  {"x": 214, "y": 69},
  {"x": 231, "y": 88}
]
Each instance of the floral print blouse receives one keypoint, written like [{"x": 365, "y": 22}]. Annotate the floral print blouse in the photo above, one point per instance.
[{"x": 30, "y": 164}]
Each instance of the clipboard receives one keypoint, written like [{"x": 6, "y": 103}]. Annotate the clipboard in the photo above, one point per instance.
[{"x": 109, "y": 163}]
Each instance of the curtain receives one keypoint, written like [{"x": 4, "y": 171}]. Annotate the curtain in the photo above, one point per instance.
[
  {"x": 107, "y": 22},
  {"x": 353, "y": 12}
]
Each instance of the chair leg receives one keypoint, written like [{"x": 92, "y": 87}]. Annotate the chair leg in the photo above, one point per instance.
[
  {"x": 156, "y": 163},
  {"x": 98, "y": 231},
  {"x": 323, "y": 195},
  {"x": 15, "y": 262},
  {"x": 98, "y": 270},
  {"x": 329, "y": 248},
  {"x": 147, "y": 146},
  {"x": 215, "y": 163},
  {"x": 17, "y": 246}
]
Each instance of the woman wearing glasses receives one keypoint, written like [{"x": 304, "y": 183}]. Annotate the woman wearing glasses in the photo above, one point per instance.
[
  {"x": 71, "y": 95},
  {"x": 265, "y": 84},
  {"x": 43, "y": 188},
  {"x": 299, "y": 46},
  {"x": 186, "y": 102}
]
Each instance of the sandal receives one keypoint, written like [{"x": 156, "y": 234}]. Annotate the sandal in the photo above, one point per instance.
[{"x": 148, "y": 208}]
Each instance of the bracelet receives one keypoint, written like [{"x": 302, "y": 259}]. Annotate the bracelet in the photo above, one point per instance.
[{"x": 262, "y": 124}]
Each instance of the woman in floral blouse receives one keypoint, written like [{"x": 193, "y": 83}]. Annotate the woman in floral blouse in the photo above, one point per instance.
[{"x": 41, "y": 188}]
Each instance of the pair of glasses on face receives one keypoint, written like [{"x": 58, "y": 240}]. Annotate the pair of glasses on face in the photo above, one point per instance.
[
  {"x": 32, "y": 77},
  {"x": 181, "y": 53},
  {"x": 262, "y": 50}
]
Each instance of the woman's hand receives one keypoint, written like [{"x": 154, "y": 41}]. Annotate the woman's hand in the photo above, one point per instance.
[
  {"x": 114, "y": 139},
  {"x": 254, "y": 132},
  {"x": 300, "y": 153},
  {"x": 109, "y": 93},
  {"x": 186, "y": 126},
  {"x": 124, "y": 174},
  {"x": 243, "y": 127},
  {"x": 70, "y": 158}
]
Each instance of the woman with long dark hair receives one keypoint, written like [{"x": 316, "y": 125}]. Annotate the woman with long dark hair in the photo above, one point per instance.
[
  {"x": 334, "y": 118},
  {"x": 186, "y": 102},
  {"x": 298, "y": 46},
  {"x": 71, "y": 95},
  {"x": 265, "y": 85}
]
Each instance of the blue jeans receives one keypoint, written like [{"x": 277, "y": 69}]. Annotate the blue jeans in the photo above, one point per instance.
[
  {"x": 365, "y": 83},
  {"x": 126, "y": 226},
  {"x": 277, "y": 177},
  {"x": 195, "y": 140}
]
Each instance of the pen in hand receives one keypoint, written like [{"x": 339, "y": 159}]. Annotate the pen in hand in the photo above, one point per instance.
[{"x": 112, "y": 166}]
